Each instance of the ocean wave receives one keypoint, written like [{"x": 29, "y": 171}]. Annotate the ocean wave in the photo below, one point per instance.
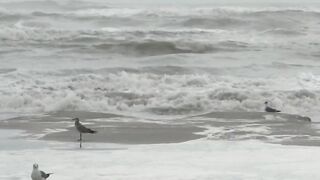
[
  {"x": 152, "y": 48},
  {"x": 6, "y": 70},
  {"x": 83, "y": 9},
  {"x": 33, "y": 30},
  {"x": 32, "y": 34},
  {"x": 217, "y": 23},
  {"x": 148, "y": 48},
  {"x": 157, "y": 24},
  {"x": 50, "y": 5},
  {"x": 214, "y": 17},
  {"x": 287, "y": 12},
  {"x": 285, "y": 32},
  {"x": 4, "y": 17},
  {"x": 159, "y": 94},
  {"x": 197, "y": 12},
  {"x": 112, "y": 41}
]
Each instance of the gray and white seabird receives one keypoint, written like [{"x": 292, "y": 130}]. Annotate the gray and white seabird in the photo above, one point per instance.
[
  {"x": 37, "y": 174},
  {"x": 82, "y": 129},
  {"x": 269, "y": 109}
]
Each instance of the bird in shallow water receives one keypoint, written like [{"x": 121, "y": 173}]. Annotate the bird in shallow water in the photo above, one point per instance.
[
  {"x": 82, "y": 129},
  {"x": 37, "y": 174},
  {"x": 269, "y": 109}
]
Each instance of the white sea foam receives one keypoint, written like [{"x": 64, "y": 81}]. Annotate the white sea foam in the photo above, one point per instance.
[
  {"x": 159, "y": 60},
  {"x": 151, "y": 92},
  {"x": 192, "y": 160}
]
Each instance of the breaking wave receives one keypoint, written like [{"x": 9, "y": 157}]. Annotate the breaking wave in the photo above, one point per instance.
[
  {"x": 53, "y": 35},
  {"x": 159, "y": 94}
]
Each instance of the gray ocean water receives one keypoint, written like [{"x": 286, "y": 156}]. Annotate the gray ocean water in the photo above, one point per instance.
[{"x": 163, "y": 60}]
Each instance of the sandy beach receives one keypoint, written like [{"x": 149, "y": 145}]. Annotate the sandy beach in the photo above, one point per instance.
[
  {"x": 196, "y": 159},
  {"x": 274, "y": 128}
]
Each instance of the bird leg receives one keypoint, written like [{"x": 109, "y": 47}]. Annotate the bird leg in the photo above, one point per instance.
[{"x": 80, "y": 139}]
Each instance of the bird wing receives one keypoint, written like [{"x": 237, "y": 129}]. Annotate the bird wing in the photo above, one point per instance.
[
  {"x": 269, "y": 109},
  {"x": 45, "y": 175},
  {"x": 81, "y": 128}
]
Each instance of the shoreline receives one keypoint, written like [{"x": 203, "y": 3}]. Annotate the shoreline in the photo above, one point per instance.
[
  {"x": 60, "y": 127},
  {"x": 277, "y": 128}
]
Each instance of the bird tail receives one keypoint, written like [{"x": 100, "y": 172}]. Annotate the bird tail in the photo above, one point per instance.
[
  {"x": 47, "y": 175},
  {"x": 278, "y": 111},
  {"x": 92, "y": 131}
]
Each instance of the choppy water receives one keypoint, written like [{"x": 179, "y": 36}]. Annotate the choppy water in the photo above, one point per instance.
[{"x": 159, "y": 60}]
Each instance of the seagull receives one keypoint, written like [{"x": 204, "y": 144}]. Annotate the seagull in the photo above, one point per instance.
[
  {"x": 82, "y": 129},
  {"x": 269, "y": 109},
  {"x": 38, "y": 175}
]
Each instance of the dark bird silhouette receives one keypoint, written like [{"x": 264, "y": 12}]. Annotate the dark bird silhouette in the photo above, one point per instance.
[
  {"x": 82, "y": 129},
  {"x": 269, "y": 109},
  {"x": 37, "y": 174},
  {"x": 45, "y": 175}
]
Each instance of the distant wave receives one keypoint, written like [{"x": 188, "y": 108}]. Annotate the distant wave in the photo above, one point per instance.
[
  {"x": 107, "y": 41},
  {"x": 6, "y": 70},
  {"x": 102, "y": 11},
  {"x": 286, "y": 12},
  {"x": 107, "y": 23},
  {"x": 285, "y": 32},
  {"x": 187, "y": 17},
  {"x": 218, "y": 23},
  {"x": 151, "y": 48},
  {"x": 196, "y": 12},
  {"x": 33, "y": 30}
]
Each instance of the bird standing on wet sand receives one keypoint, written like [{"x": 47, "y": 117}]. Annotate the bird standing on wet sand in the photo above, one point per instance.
[
  {"x": 82, "y": 129},
  {"x": 269, "y": 109},
  {"x": 37, "y": 174}
]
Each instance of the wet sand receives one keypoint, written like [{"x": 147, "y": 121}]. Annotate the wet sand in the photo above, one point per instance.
[
  {"x": 59, "y": 127},
  {"x": 270, "y": 127}
]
